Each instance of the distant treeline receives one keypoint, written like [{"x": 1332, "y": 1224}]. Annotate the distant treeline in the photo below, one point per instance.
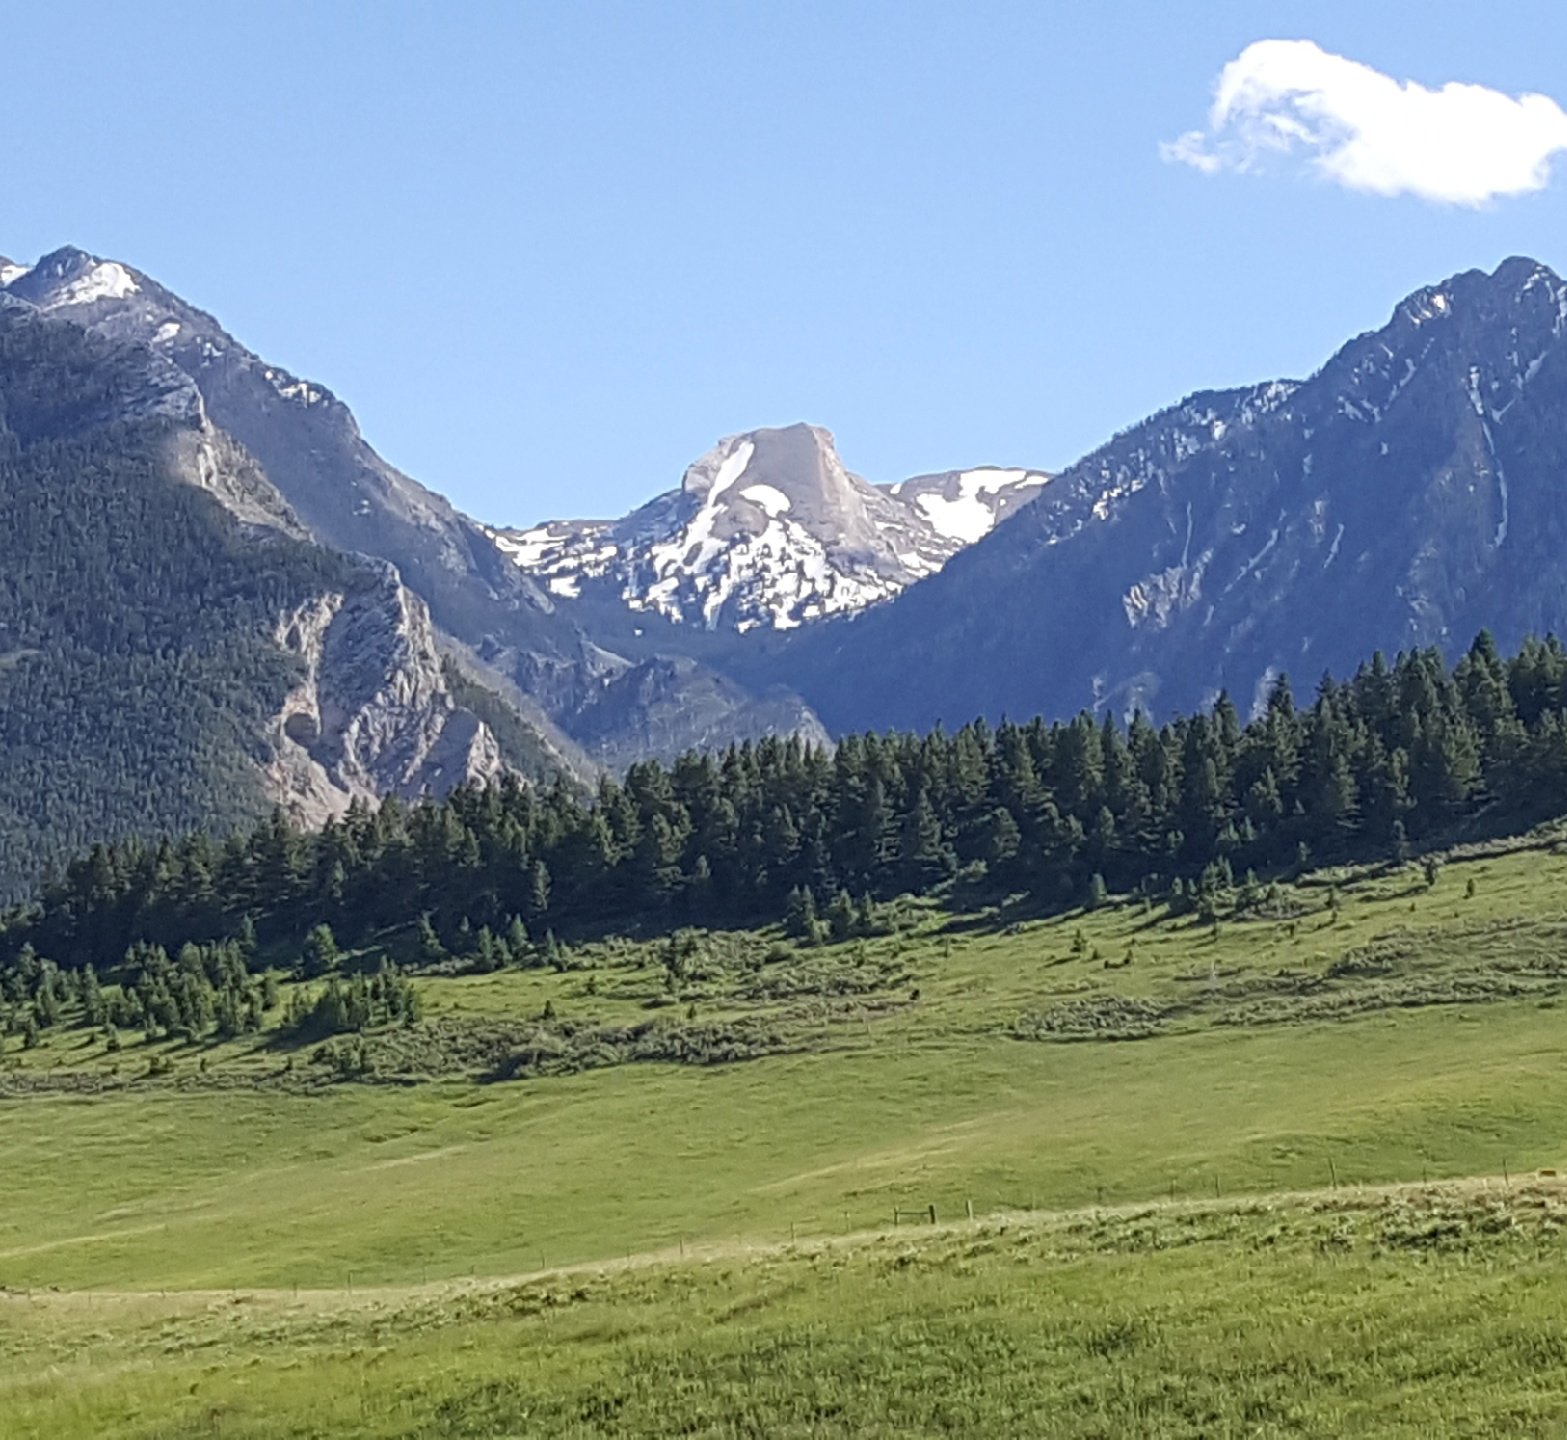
[{"x": 1398, "y": 755}]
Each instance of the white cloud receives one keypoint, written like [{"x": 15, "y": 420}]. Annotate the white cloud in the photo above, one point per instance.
[{"x": 1290, "y": 100}]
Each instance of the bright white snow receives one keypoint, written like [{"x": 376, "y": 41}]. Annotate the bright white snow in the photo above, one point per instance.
[
  {"x": 769, "y": 497},
  {"x": 694, "y": 547},
  {"x": 107, "y": 281},
  {"x": 967, "y": 518},
  {"x": 692, "y": 558},
  {"x": 8, "y": 273}
]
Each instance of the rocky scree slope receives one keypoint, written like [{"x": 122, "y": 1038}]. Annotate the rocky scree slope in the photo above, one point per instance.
[
  {"x": 174, "y": 650},
  {"x": 769, "y": 529},
  {"x": 1409, "y": 494}
]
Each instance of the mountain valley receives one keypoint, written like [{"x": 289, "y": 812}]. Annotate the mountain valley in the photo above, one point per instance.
[{"x": 331, "y": 1078}]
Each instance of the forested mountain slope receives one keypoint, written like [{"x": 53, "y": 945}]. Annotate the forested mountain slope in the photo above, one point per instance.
[
  {"x": 1408, "y": 494},
  {"x": 174, "y": 651},
  {"x": 552, "y": 665},
  {"x": 1400, "y": 756}
]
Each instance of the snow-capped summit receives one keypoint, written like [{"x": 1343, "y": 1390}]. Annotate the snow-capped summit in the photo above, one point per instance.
[
  {"x": 769, "y": 529},
  {"x": 68, "y": 277}
]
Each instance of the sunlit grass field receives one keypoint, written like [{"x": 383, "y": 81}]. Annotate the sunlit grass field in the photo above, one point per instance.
[
  {"x": 1372, "y": 1028},
  {"x": 1402, "y": 1313}
]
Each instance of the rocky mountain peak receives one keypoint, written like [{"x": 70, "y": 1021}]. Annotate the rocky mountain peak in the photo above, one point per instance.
[
  {"x": 69, "y": 276},
  {"x": 800, "y": 459},
  {"x": 770, "y": 529},
  {"x": 768, "y": 472},
  {"x": 335, "y": 488}
]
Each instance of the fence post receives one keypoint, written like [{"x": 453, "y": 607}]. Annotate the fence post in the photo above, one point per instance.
[
  {"x": 932, "y": 1214},
  {"x": 968, "y": 1205}
]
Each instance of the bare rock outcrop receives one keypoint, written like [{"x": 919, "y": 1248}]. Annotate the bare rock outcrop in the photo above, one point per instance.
[{"x": 372, "y": 714}]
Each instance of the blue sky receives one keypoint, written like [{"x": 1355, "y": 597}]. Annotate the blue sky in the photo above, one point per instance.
[{"x": 550, "y": 252}]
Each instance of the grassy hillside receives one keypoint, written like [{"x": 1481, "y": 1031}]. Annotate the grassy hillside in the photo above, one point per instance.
[
  {"x": 1394, "y": 1313},
  {"x": 739, "y": 1094}
]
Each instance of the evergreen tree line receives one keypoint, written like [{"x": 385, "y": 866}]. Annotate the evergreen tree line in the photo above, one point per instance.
[
  {"x": 1398, "y": 756},
  {"x": 205, "y": 992}
]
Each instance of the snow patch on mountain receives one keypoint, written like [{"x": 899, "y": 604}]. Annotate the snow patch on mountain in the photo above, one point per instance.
[
  {"x": 10, "y": 271},
  {"x": 768, "y": 529},
  {"x": 104, "y": 281},
  {"x": 971, "y": 514},
  {"x": 693, "y": 547},
  {"x": 772, "y": 500}
]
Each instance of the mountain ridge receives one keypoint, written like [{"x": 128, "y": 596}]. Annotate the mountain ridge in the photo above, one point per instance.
[
  {"x": 307, "y": 441},
  {"x": 148, "y": 676},
  {"x": 1398, "y": 497},
  {"x": 1239, "y": 534},
  {"x": 769, "y": 529}
]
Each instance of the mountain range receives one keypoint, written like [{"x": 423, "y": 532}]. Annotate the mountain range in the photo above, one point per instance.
[
  {"x": 1409, "y": 494},
  {"x": 354, "y": 635}
]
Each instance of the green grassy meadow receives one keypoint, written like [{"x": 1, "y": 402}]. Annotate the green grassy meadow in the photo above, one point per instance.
[
  {"x": 612, "y": 1244},
  {"x": 1386, "y": 1313}
]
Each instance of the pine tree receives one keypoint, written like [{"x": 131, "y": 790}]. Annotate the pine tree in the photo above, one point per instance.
[
  {"x": 487, "y": 954},
  {"x": 1098, "y": 893},
  {"x": 840, "y": 916},
  {"x": 538, "y": 892},
  {"x": 431, "y": 951},
  {"x": 518, "y": 946},
  {"x": 800, "y": 922},
  {"x": 319, "y": 955}
]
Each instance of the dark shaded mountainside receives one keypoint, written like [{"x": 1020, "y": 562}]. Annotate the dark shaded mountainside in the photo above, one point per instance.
[
  {"x": 174, "y": 650},
  {"x": 1409, "y": 494}
]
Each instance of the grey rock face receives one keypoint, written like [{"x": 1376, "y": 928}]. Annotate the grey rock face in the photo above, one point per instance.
[
  {"x": 770, "y": 530},
  {"x": 304, "y": 438},
  {"x": 1408, "y": 494},
  {"x": 372, "y": 714},
  {"x": 670, "y": 705}
]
